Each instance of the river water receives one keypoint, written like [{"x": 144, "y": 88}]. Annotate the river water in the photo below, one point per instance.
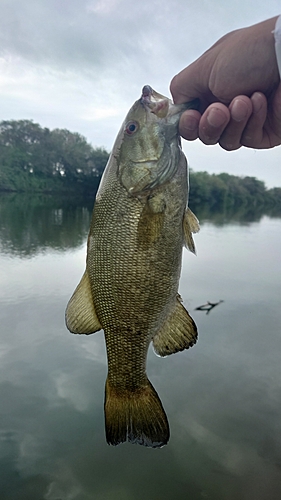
[{"x": 222, "y": 397}]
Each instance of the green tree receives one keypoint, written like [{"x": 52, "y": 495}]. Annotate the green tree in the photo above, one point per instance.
[{"x": 35, "y": 158}]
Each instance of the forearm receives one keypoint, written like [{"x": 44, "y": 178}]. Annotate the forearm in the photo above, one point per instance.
[{"x": 277, "y": 36}]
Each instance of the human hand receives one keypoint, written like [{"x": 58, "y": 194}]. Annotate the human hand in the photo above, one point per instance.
[{"x": 238, "y": 84}]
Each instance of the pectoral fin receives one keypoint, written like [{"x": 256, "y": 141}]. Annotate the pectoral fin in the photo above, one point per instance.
[
  {"x": 179, "y": 332},
  {"x": 190, "y": 225},
  {"x": 80, "y": 314}
]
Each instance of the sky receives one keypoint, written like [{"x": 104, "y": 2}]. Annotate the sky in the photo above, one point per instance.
[{"x": 80, "y": 65}]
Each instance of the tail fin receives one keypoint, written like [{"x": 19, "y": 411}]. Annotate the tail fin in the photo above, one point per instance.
[{"x": 135, "y": 416}]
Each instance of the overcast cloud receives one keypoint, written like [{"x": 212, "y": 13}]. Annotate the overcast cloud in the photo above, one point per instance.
[{"x": 80, "y": 64}]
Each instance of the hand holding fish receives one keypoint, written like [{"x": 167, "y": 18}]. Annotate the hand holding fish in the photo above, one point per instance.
[{"x": 238, "y": 84}]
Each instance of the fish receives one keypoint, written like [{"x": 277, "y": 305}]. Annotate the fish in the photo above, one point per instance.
[{"x": 140, "y": 223}]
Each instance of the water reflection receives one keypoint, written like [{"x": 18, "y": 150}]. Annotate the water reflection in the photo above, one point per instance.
[
  {"x": 222, "y": 396},
  {"x": 243, "y": 214},
  {"x": 31, "y": 223}
]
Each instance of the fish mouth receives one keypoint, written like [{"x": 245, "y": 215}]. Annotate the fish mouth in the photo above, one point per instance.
[
  {"x": 147, "y": 91},
  {"x": 157, "y": 103},
  {"x": 149, "y": 95},
  {"x": 161, "y": 105}
]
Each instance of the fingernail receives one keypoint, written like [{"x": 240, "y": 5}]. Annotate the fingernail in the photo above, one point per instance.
[
  {"x": 257, "y": 102},
  {"x": 190, "y": 123},
  {"x": 239, "y": 110},
  {"x": 216, "y": 118}
]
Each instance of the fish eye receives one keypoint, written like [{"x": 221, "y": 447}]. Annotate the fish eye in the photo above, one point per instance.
[{"x": 131, "y": 127}]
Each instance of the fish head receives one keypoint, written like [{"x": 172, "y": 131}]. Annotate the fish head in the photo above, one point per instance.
[{"x": 150, "y": 146}]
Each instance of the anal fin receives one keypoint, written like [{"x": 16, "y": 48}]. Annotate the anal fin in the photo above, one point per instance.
[
  {"x": 80, "y": 314},
  {"x": 179, "y": 332}
]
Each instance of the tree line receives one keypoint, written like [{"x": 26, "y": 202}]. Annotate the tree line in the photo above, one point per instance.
[
  {"x": 37, "y": 159},
  {"x": 232, "y": 193},
  {"x": 33, "y": 158}
]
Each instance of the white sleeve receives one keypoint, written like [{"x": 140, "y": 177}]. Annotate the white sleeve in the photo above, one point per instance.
[{"x": 277, "y": 36}]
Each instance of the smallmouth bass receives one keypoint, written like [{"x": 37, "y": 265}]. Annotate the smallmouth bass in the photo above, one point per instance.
[{"x": 129, "y": 289}]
